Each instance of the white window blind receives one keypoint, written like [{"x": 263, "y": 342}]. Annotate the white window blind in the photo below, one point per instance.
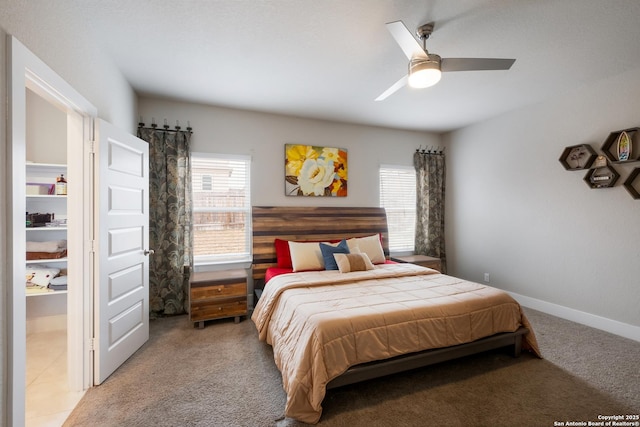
[
  {"x": 398, "y": 197},
  {"x": 221, "y": 208}
]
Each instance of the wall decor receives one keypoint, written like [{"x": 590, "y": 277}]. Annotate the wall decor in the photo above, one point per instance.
[
  {"x": 602, "y": 175},
  {"x": 622, "y": 146},
  {"x": 577, "y": 157},
  {"x": 312, "y": 170},
  {"x": 600, "y": 162}
]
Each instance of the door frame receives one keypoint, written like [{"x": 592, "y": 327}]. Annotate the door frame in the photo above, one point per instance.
[{"x": 26, "y": 70}]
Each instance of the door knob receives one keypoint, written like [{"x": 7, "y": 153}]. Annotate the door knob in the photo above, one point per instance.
[{"x": 149, "y": 251}]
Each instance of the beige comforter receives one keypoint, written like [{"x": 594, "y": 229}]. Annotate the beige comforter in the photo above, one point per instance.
[{"x": 321, "y": 323}]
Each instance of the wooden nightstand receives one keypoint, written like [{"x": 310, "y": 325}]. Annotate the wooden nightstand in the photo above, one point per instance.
[
  {"x": 423, "y": 260},
  {"x": 217, "y": 294}
]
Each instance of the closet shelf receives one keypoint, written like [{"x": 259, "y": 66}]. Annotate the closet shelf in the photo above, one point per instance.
[
  {"x": 46, "y": 261},
  {"x": 45, "y": 196},
  {"x": 46, "y": 228},
  {"x": 45, "y": 165},
  {"x": 45, "y": 293}
]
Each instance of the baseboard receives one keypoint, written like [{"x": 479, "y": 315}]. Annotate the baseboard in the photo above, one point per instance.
[{"x": 613, "y": 326}]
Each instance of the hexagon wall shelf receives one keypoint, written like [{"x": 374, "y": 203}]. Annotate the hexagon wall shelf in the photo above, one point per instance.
[
  {"x": 603, "y": 177},
  {"x": 577, "y": 157},
  {"x": 632, "y": 184},
  {"x": 610, "y": 146}
]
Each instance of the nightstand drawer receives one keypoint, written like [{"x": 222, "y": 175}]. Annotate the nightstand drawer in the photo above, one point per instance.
[
  {"x": 218, "y": 291},
  {"x": 215, "y": 309}
]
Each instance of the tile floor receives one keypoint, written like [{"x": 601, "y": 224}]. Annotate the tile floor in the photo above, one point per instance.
[{"x": 48, "y": 401}]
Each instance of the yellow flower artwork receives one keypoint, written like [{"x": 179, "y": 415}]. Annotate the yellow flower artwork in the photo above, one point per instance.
[{"x": 315, "y": 171}]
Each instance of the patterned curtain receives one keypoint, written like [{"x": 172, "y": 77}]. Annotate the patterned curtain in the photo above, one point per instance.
[
  {"x": 430, "y": 184},
  {"x": 170, "y": 220}
]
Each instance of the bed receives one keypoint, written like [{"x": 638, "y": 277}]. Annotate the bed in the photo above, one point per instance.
[{"x": 329, "y": 328}]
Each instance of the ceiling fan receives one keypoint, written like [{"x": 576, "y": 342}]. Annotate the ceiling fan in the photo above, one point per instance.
[{"x": 425, "y": 68}]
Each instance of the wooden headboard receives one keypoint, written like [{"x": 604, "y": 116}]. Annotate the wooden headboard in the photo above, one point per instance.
[{"x": 310, "y": 223}]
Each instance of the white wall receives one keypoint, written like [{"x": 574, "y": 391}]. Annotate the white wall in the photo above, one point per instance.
[
  {"x": 514, "y": 211},
  {"x": 46, "y": 135},
  {"x": 263, "y": 136}
]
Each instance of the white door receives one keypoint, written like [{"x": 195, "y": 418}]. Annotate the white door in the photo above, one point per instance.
[{"x": 121, "y": 295}]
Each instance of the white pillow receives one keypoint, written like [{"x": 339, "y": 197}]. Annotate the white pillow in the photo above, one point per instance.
[
  {"x": 353, "y": 262},
  {"x": 306, "y": 256},
  {"x": 369, "y": 245}
]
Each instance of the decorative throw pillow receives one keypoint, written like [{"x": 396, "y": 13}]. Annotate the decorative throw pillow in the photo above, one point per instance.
[
  {"x": 369, "y": 245},
  {"x": 329, "y": 250},
  {"x": 353, "y": 262},
  {"x": 306, "y": 256}
]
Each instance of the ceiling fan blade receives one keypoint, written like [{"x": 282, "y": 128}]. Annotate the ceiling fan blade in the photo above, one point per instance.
[
  {"x": 405, "y": 39},
  {"x": 475, "y": 64},
  {"x": 397, "y": 85}
]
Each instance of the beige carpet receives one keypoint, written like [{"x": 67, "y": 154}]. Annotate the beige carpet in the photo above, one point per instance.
[{"x": 223, "y": 376}]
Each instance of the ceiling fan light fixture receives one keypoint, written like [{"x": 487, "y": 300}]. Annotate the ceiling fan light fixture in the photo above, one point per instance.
[{"x": 424, "y": 72}]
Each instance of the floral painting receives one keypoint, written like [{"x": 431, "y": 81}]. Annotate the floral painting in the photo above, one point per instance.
[{"x": 315, "y": 171}]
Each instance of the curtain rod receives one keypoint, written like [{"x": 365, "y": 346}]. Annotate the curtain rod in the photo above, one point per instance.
[
  {"x": 166, "y": 127},
  {"x": 431, "y": 150}
]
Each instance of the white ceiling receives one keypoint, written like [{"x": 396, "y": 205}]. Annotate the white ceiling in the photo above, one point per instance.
[{"x": 330, "y": 59}]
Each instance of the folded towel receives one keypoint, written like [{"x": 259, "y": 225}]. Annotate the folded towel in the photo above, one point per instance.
[
  {"x": 51, "y": 246},
  {"x": 46, "y": 255},
  {"x": 36, "y": 289},
  {"x": 60, "y": 280}
]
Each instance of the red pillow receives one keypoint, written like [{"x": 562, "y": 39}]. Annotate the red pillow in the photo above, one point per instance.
[
  {"x": 283, "y": 254},
  {"x": 275, "y": 271}
]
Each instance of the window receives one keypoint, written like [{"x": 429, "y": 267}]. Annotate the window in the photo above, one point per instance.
[
  {"x": 221, "y": 208},
  {"x": 398, "y": 197}
]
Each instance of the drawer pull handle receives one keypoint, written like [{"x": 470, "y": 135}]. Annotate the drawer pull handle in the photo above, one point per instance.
[
  {"x": 219, "y": 308},
  {"x": 219, "y": 289}
]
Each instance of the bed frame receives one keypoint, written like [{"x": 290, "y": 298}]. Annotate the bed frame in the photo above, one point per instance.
[{"x": 331, "y": 223}]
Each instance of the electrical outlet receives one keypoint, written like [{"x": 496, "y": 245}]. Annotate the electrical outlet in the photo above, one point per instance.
[{"x": 486, "y": 277}]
